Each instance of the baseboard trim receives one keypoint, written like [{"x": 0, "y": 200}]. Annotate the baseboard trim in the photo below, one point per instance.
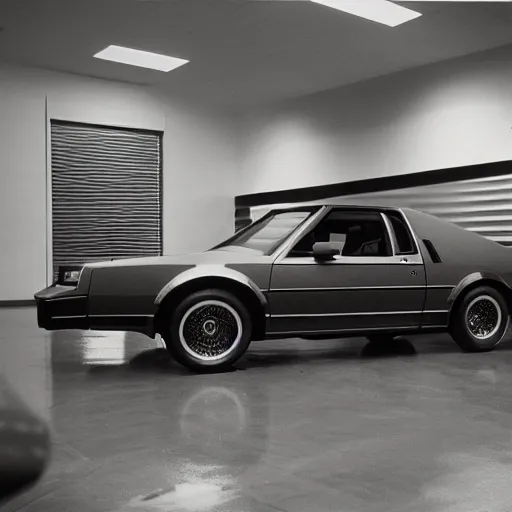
[{"x": 16, "y": 303}]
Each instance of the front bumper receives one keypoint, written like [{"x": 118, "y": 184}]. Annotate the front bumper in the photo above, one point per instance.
[
  {"x": 61, "y": 307},
  {"x": 66, "y": 307}
]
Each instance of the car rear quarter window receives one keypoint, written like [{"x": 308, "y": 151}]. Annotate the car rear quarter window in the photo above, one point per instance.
[{"x": 403, "y": 236}]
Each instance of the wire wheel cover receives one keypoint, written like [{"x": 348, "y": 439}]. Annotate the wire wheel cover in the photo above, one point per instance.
[
  {"x": 483, "y": 317},
  {"x": 210, "y": 330}
]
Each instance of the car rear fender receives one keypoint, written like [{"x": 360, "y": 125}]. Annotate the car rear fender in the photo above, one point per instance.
[{"x": 476, "y": 279}]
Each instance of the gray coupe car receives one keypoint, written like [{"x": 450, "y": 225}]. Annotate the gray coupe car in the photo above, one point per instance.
[{"x": 310, "y": 272}]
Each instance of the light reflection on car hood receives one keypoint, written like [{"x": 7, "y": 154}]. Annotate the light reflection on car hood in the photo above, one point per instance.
[{"x": 219, "y": 256}]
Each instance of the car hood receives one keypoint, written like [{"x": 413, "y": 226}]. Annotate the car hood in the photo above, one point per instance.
[{"x": 223, "y": 256}]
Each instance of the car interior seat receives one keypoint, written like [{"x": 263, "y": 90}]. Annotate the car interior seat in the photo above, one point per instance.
[
  {"x": 375, "y": 244},
  {"x": 353, "y": 242}
]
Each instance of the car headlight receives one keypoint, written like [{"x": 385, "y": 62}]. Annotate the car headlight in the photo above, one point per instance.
[{"x": 69, "y": 275}]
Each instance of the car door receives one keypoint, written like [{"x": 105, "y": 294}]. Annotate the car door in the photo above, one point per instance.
[{"x": 358, "y": 291}]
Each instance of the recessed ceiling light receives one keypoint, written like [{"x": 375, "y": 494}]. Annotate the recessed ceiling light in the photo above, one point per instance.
[
  {"x": 381, "y": 11},
  {"x": 140, "y": 58}
]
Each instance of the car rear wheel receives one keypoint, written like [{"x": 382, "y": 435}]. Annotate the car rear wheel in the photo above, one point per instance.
[
  {"x": 209, "y": 331},
  {"x": 480, "y": 320}
]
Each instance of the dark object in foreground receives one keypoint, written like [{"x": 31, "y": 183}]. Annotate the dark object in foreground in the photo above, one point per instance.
[
  {"x": 24, "y": 445},
  {"x": 311, "y": 272}
]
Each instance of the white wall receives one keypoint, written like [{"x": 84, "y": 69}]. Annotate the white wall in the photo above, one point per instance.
[
  {"x": 449, "y": 114},
  {"x": 198, "y": 161}
]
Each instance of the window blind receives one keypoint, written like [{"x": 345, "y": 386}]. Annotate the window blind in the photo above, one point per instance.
[{"x": 106, "y": 193}]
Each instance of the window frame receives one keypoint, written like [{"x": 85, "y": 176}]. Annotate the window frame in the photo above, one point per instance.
[
  {"x": 410, "y": 259},
  {"x": 348, "y": 211}
]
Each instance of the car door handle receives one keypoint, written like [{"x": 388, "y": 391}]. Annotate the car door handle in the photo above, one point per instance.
[{"x": 404, "y": 260}]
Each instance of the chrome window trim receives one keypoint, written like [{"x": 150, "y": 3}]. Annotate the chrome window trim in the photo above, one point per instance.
[
  {"x": 391, "y": 233},
  {"x": 413, "y": 259}
]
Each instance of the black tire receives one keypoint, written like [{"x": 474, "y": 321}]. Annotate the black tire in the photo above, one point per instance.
[
  {"x": 208, "y": 349},
  {"x": 380, "y": 338},
  {"x": 466, "y": 326}
]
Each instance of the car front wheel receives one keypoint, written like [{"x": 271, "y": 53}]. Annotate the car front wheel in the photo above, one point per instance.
[
  {"x": 480, "y": 320},
  {"x": 209, "y": 331}
]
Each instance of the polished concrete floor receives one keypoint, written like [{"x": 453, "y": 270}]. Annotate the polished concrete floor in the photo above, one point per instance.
[{"x": 301, "y": 426}]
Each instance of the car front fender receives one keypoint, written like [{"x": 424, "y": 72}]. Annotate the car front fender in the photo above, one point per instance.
[{"x": 205, "y": 271}]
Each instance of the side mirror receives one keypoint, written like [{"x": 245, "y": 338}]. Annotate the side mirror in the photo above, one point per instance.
[{"x": 325, "y": 251}]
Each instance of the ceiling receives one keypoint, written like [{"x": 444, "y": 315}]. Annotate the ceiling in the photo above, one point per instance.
[{"x": 243, "y": 51}]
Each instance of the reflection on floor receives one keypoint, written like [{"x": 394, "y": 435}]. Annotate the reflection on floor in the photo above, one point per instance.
[{"x": 302, "y": 426}]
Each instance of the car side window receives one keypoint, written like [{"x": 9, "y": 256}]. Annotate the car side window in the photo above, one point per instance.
[
  {"x": 354, "y": 233},
  {"x": 405, "y": 242}
]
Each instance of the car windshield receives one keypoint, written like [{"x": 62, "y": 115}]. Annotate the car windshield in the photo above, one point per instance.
[{"x": 268, "y": 233}]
